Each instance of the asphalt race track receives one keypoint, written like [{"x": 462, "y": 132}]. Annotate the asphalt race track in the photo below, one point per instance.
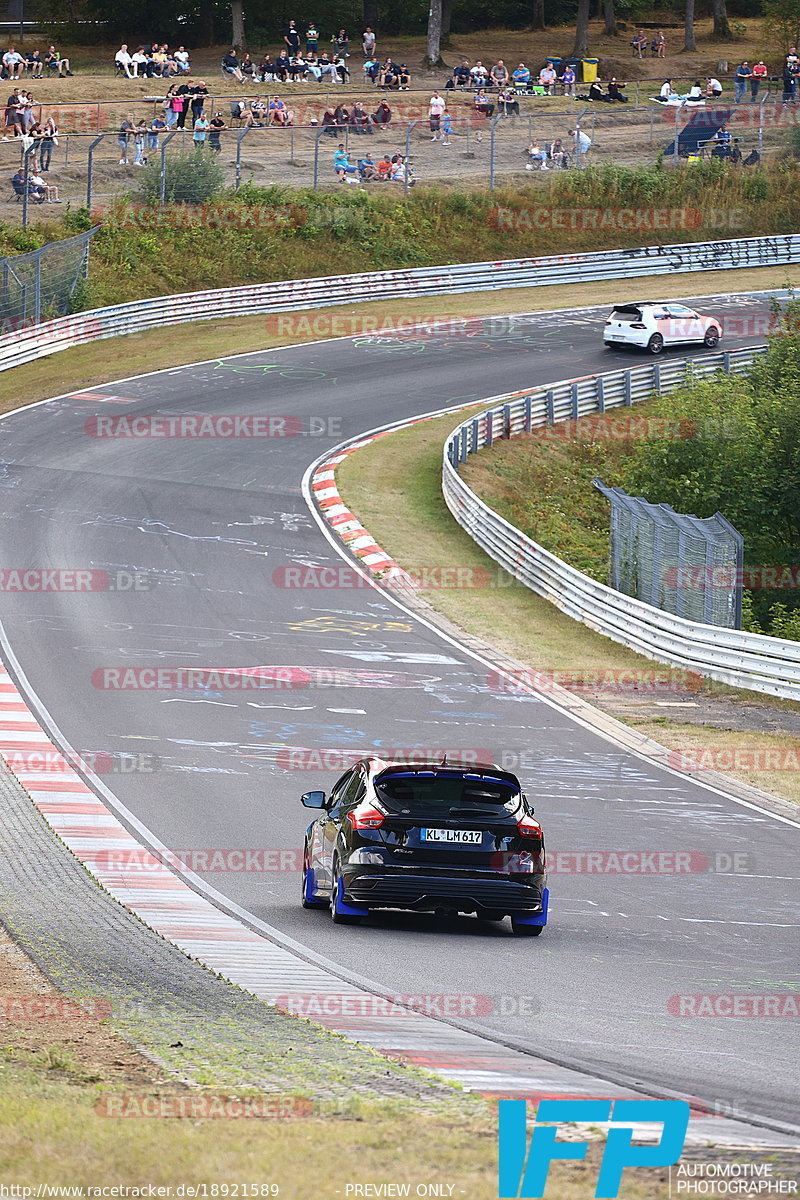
[{"x": 208, "y": 522}]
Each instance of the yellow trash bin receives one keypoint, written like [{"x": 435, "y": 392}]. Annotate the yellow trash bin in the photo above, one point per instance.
[{"x": 590, "y": 69}]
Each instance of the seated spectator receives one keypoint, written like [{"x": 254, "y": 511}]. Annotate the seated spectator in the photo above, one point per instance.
[
  {"x": 658, "y": 46},
  {"x": 568, "y": 80},
  {"x": 259, "y": 111},
  {"x": 639, "y": 43},
  {"x": 615, "y": 92},
  {"x": 508, "y": 103},
  {"x": 312, "y": 67},
  {"x": 666, "y": 90},
  {"x": 341, "y": 115},
  {"x": 402, "y": 171},
  {"x": 181, "y": 57},
  {"x": 538, "y": 157},
  {"x": 596, "y": 91},
  {"x": 558, "y": 155},
  {"x": 713, "y": 88},
  {"x": 54, "y": 62},
  {"x": 34, "y": 64},
  {"x": 368, "y": 170},
  {"x": 230, "y": 65},
  {"x": 483, "y": 108},
  {"x": 279, "y": 114},
  {"x": 479, "y": 76},
  {"x": 13, "y": 63},
  {"x": 521, "y": 77},
  {"x": 499, "y": 74},
  {"x": 359, "y": 118},
  {"x": 385, "y": 167},
  {"x": 341, "y": 44},
  {"x": 297, "y": 69},
  {"x": 342, "y": 165},
  {"x": 696, "y": 91},
  {"x": 162, "y": 65},
  {"x": 282, "y": 64},
  {"x": 547, "y": 79},
  {"x": 327, "y": 67},
  {"x": 389, "y": 76},
  {"x": 368, "y": 42},
  {"x": 141, "y": 63},
  {"x": 382, "y": 114},
  {"x": 35, "y": 191},
  {"x": 329, "y": 122},
  {"x": 247, "y": 67},
  {"x": 266, "y": 69},
  {"x": 123, "y": 62},
  {"x": 341, "y": 69},
  {"x": 372, "y": 69},
  {"x": 404, "y": 78},
  {"x": 461, "y": 74}
]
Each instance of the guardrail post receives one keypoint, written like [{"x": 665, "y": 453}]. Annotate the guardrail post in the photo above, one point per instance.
[
  {"x": 464, "y": 455},
  {"x": 528, "y": 413},
  {"x": 600, "y": 393},
  {"x": 506, "y": 421},
  {"x": 627, "y": 383},
  {"x": 549, "y": 401},
  {"x": 574, "y": 401},
  {"x": 90, "y": 170},
  {"x": 726, "y": 362},
  {"x": 657, "y": 376},
  {"x": 488, "y": 430},
  {"x": 475, "y": 440}
]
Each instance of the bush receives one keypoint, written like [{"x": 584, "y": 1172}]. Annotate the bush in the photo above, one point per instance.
[{"x": 191, "y": 179}]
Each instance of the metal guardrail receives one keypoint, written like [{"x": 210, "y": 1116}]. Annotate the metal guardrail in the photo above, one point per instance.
[
  {"x": 745, "y": 660},
  {"x": 26, "y": 345}
]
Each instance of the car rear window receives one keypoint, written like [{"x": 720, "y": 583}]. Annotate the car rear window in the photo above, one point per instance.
[
  {"x": 415, "y": 792},
  {"x": 627, "y": 313}
]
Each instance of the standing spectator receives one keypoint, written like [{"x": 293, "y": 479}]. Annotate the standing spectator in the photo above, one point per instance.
[
  {"x": 55, "y": 62},
  {"x": 789, "y": 85},
  {"x": 583, "y": 143},
  {"x": 34, "y": 64},
  {"x": 292, "y": 39},
  {"x": 312, "y": 38},
  {"x": 568, "y": 80},
  {"x": 547, "y": 79},
  {"x": 759, "y": 72},
  {"x": 139, "y": 134},
  {"x": 157, "y": 125},
  {"x": 48, "y": 142},
  {"x": 14, "y": 63},
  {"x": 184, "y": 96},
  {"x": 198, "y": 99},
  {"x": 216, "y": 126},
  {"x": 230, "y": 65},
  {"x": 28, "y": 120},
  {"x": 436, "y": 109},
  {"x": 341, "y": 44},
  {"x": 201, "y": 128},
  {"x": 447, "y": 128},
  {"x": 123, "y": 137},
  {"x": 368, "y": 43},
  {"x": 499, "y": 74},
  {"x": 124, "y": 62},
  {"x": 174, "y": 109},
  {"x": 740, "y": 78}
]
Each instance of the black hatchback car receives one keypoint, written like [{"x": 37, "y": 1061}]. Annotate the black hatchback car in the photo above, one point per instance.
[{"x": 429, "y": 837}]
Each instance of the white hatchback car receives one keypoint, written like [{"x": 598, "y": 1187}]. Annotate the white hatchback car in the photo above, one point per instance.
[{"x": 652, "y": 326}]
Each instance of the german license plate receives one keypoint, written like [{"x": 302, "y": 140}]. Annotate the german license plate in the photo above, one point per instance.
[{"x": 473, "y": 836}]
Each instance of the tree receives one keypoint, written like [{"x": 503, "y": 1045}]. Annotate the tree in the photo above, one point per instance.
[
  {"x": 689, "y": 40},
  {"x": 722, "y": 29},
  {"x": 581, "y": 46},
  {"x": 782, "y": 26},
  {"x": 610, "y": 18},
  {"x": 370, "y": 13},
  {"x": 537, "y": 20},
  {"x": 433, "y": 54},
  {"x": 237, "y": 21}
]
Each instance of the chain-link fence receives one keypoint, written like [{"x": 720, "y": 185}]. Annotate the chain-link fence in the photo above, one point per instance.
[
  {"x": 40, "y": 285},
  {"x": 683, "y": 564}
]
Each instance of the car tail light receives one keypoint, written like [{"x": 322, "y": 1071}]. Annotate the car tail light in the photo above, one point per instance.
[
  {"x": 366, "y": 816},
  {"x": 527, "y": 827},
  {"x": 638, "y": 325}
]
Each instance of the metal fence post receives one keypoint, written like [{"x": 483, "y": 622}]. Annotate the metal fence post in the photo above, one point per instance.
[
  {"x": 316, "y": 159},
  {"x": 491, "y": 151},
  {"x": 90, "y": 169},
  {"x": 408, "y": 155},
  {"x": 26, "y": 174},
  {"x": 761, "y": 131},
  {"x": 162, "y": 186},
  {"x": 37, "y": 290},
  {"x": 678, "y": 111},
  {"x": 578, "y": 155},
  {"x": 242, "y": 135}
]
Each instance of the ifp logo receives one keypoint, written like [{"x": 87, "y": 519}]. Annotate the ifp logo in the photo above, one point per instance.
[{"x": 523, "y": 1169}]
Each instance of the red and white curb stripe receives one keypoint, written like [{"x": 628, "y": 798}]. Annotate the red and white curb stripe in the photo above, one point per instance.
[{"x": 344, "y": 523}]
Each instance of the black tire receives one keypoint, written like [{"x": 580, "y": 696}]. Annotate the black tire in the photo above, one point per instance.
[
  {"x": 712, "y": 337},
  {"x": 656, "y": 344},
  {"x": 337, "y": 917},
  {"x": 521, "y": 930}
]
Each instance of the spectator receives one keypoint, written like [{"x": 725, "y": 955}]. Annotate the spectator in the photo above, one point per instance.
[
  {"x": 140, "y": 63},
  {"x": 27, "y": 120},
  {"x": 389, "y": 76},
  {"x": 13, "y": 63},
  {"x": 740, "y": 79},
  {"x": 47, "y": 144},
  {"x": 266, "y": 69},
  {"x": 447, "y": 128},
  {"x": 181, "y": 57},
  {"x": 312, "y": 38},
  {"x": 479, "y": 76},
  {"x": 341, "y": 44},
  {"x": 696, "y": 91},
  {"x": 400, "y": 172},
  {"x": 341, "y": 164},
  {"x": 521, "y": 76},
  {"x": 329, "y": 122},
  {"x": 198, "y": 98},
  {"x": 759, "y": 72},
  {"x": 789, "y": 85},
  {"x": 639, "y": 43},
  {"x": 461, "y": 74},
  {"x": 327, "y": 67},
  {"x": 123, "y": 137},
  {"x": 342, "y": 72},
  {"x": 230, "y": 65},
  {"x": 436, "y": 107},
  {"x": 291, "y": 39},
  {"x": 583, "y": 144},
  {"x": 382, "y": 114},
  {"x": 658, "y": 46},
  {"x": 483, "y": 108},
  {"x": 55, "y": 62},
  {"x": 558, "y": 155},
  {"x": 713, "y": 88},
  {"x": 372, "y": 69},
  {"x": 259, "y": 112},
  {"x": 368, "y": 43},
  {"x": 538, "y": 157},
  {"x": 499, "y": 74},
  {"x": 139, "y": 135},
  {"x": 596, "y": 91},
  {"x": 160, "y": 62},
  {"x": 368, "y": 170},
  {"x": 359, "y": 118},
  {"x": 507, "y": 103},
  {"x": 34, "y": 64},
  {"x": 282, "y": 64},
  {"x": 201, "y": 128},
  {"x": 216, "y": 126},
  {"x": 124, "y": 62},
  {"x": 157, "y": 125},
  {"x": 342, "y": 115},
  {"x": 12, "y": 120},
  {"x": 615, "y": 92},
  {"x": 385, "y": 167},
  {"x": 568, "y": 80},
  {"x": 404, "y": 78},
  {"x": 666, "y": 90},
  {"x": 312, "y": 67},
  {"x": 248, "y": 67},
  {"x": 176, "y": 117},
  {"x": 278, "y": 112},
  {"x": 547, "y": 79}
]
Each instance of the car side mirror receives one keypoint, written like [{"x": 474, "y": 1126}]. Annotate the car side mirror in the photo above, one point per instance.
[{"x": 313, "y": 799}]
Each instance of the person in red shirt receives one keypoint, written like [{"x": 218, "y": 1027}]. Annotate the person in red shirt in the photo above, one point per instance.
[{"x": 759, "y": 72}]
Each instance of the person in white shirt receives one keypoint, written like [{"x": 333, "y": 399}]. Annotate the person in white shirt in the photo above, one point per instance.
[
  {"x": 368, "y": 42},
  {"x": 582, "y": 142},
  {"x": 436, "y": 109},
  {"x": 547, "y": 79},
  {"x": 139, "y": 60},
  {"x": 181, "y": 57},
  {"x": 123, "y": 59},
  {"x": 479, "y": 75},
  {"x": 50, "y": 190},
  {"x": 666, "y": 90},
  {"x": 13, "y": 63},
  {"x": 713, "y": 88}
]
